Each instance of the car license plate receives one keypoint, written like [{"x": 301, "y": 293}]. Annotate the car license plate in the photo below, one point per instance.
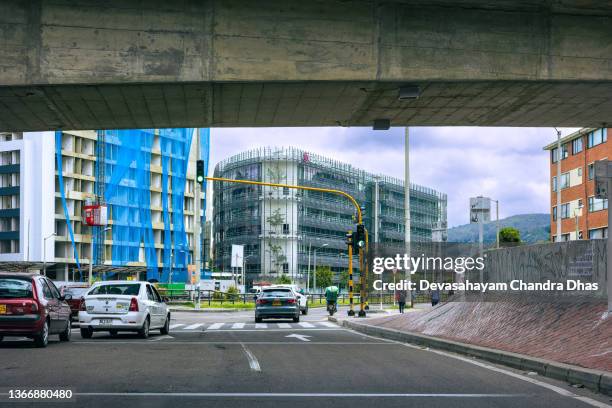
[
  {"x": 276, "y": 302},
  {"x": 2, "y": 309},
  {"x": 106, "y": 322}
]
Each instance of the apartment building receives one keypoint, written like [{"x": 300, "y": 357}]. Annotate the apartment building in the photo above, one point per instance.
[
  {"x": 582, "y": 215},
  {"x": 147, "y": 182}
]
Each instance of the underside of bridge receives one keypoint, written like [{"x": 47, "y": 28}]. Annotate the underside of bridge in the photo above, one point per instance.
[{"x": 88, "y": 64}]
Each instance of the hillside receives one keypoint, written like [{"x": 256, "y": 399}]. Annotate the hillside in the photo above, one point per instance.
[{"x": 533, "y": 228}]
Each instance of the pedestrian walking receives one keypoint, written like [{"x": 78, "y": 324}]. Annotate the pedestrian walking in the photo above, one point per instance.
[
  {"x": 401, "y": 300},
  {"x": 435, "y": 297}
]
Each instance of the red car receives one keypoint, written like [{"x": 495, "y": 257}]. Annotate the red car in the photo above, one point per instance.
[
  {"x": 31, "y": 306},
  {"x": 74, "y": 296}
]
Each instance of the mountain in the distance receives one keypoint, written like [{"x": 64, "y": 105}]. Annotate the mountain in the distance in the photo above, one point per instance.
[{"x": 533, "y": 228}]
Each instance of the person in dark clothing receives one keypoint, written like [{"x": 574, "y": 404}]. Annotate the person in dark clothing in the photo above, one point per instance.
[
  {"x": 435, "y": 297},
  {"x": 401, "y": 300}
]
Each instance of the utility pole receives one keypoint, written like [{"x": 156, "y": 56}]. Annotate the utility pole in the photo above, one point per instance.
[
  {"x": 198, "y": 227},
  {"x": 308, "y": 272},
  {"x": 407, "y": 206}
]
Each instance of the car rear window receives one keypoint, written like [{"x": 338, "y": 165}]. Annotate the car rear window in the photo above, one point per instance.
[
  {"x": 11, "y": 288},
  {"x": 277, "y": 293},
  {"x": 74, "y": 292},
  {"x": 117, "y": 289}
]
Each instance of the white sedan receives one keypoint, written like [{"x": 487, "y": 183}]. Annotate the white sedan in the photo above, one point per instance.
[{"x": 115, "y": 306}]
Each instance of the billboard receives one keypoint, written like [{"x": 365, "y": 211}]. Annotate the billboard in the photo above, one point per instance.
[
  {"x": 480, "y": 210},
  {"x": 237, "y": 256}
]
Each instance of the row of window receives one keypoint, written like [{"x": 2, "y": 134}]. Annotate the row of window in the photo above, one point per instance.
[
  {"x": 565, "y": 177},
  {"x": 594, "y": 138},
  {"x": 595, "y": 204},
  {"x": 595, "y": 233}
]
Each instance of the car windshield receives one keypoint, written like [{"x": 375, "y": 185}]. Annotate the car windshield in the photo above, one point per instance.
[
  {"x": 74, "y": 292},
  {"x": 278, "y": 293},
  {"x": 15, "y": 288},
  {"x": 116, "y": 289}
]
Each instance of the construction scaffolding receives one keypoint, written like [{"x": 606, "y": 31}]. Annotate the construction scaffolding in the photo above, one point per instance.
[{"x": 280, "y": 228}]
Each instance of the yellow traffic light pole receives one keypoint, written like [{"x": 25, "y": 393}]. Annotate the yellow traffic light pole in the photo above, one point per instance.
[{"x": 350, "y": 249}]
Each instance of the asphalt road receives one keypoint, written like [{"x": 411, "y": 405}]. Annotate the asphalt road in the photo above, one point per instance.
[{"x": 225, "y": 360}]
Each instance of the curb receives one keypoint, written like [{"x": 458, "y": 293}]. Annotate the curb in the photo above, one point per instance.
[
  {"x": 209, "y": 310},
  {"x": 596, "y": 380}
]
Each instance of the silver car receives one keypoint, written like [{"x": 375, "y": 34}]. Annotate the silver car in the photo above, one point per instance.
[{"x": 280, "y": 303}]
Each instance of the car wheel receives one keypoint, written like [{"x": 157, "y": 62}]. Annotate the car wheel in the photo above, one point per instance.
[
  {"x": 113, "y": 333},
  {"x": 86, "y": 332},
  {"x": 166, "y": 328},
  {"x": 144, "y": 331},
  {"x": 296, "y": 319},
  {"x": 42, "y": 339},
  {"x": 305, "y": 311},
  {"x": 65, "y": 335},
  {"x": 258, "y": 320},
  {"x": 1, "y": 338}
]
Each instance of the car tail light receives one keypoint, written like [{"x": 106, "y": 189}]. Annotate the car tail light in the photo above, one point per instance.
[
  {"x": 261, "y": 301},
  {"x": 82, "y": 306},
  {"x": 133, "y": 305},
  {"x": 290, "y": 301},
  {"x": 34, "y": 307}
]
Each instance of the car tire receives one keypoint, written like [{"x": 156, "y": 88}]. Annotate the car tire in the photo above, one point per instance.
[
  {"x": 65, "y": 335},
  {"x": 42, "y": 339},
  {"x": 296, "y": 319},
  {"x": 165, "y": 329},
  {"x": 305, "y": 311},
  {"x": 86, "y": 332},
  {"x": 144, "y": 331},
  {"x": 1, "y": 338},
  {"x": 258, "y": 320},
  {"x": 113, "y": 333}
]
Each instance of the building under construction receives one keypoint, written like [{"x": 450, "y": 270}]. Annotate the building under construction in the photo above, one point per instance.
[{"x": 285, "y": 230}]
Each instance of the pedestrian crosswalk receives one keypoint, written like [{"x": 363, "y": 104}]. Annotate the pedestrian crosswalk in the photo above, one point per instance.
[{"x": 222, "y": 326}]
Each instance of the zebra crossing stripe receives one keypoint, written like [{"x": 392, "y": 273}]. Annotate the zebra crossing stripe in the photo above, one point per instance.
[
  {"x": 193, "y": 326},
  {"x": 215, "y": 326},
  {"x": 327, "y": 324},
  {"x": 174, "y": 326},
  {"x": 284, "y": 325},
  {"x": 238, "y": 326},
  {"x": 306, "y": 325},
  {"x": 261, "y": 325}
]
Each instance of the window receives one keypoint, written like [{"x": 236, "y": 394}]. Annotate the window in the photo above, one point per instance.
[
  {"x": 54, "y": 290},
  {"x": 598, "y": 233},
  {"x": 150, "y": 294},
  {"x": 577, "y": 145},
  {"x": 597, "y": 204},
  {"x": 554, "y": 155},
  {"x": 286, "y": 191},
  {"x": 597, "y": 137},
  {"x": 565, "y": 180},
  {"x": 554, "y": 213},
  {"x": 285, "y": 268},
  {"x": 15, "y": 288},
  {"x": 564, "y": 211},
  {"x": 591, "y": 171},
  {"x": 285, "y": 228},
  {"x": 579, "y": 171},
  {"x": 46, "y": 291},
  {"x": 554, "y": 183},
  {"x": 564, "y": 151}
]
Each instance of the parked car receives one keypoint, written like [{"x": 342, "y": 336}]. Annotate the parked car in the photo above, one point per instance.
[
  {"x": 299, "y": 294},
  {"x": 115, "y": 306},
  {"x": 76, "y": 293},
  {"x": 31, "y": 306},
  {"x": 277, "y": 302}
]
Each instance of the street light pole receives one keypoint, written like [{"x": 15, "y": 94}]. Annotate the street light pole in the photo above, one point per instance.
[
  {"x": 558, "y": 232},
  {"x": 407, "y": 206},
  {"x": 45, "y": 252},
  {"x": 308, "y": 272}
]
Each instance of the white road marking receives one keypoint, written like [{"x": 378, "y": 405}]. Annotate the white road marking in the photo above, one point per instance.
[
  {"x": 253, "y": 363},
  {"x": 261, "y": 325},
  {"x": 164, "y": 337},
  {"x": 283, "y": 325},
  {"x": 328, "y": 324},
  {"x": 174, "y": 326},
  {"x": 193, "y": 326},
  {"x": 543, "y": 384},
  {"x": 302, "y": 337},
  {"x": 306, "y": 325},
  {"x": 287, "y": 395},
  {"x": 215, "y": 326},
  {"x": 238, "y": 326}
]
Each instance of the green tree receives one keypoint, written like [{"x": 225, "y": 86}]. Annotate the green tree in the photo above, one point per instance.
[
  {"x": 232, "y": 293},
  {"x": 324, "y": 276},
  {"x": 283, "y": 280},
  {"x": 509, "y": 234}
]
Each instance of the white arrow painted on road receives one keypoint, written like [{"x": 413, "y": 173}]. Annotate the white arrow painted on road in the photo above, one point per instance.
[{"x": 302, "y": 337}]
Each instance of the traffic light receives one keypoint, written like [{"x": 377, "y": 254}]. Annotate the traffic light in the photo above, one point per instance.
[
  {"x": 359, "y": 241},
  {"x": 349, "y": 238},
  {"x": 200, "y": 171}
]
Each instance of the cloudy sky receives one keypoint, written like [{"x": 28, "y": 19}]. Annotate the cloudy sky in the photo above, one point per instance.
[{"x": 503, "y": 163}]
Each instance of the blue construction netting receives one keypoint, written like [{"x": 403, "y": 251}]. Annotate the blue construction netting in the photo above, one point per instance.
[{"x": 60, "y": 176}]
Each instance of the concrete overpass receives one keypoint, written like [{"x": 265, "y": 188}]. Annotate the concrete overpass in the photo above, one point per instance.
[{"x": 89, "y": 64}]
